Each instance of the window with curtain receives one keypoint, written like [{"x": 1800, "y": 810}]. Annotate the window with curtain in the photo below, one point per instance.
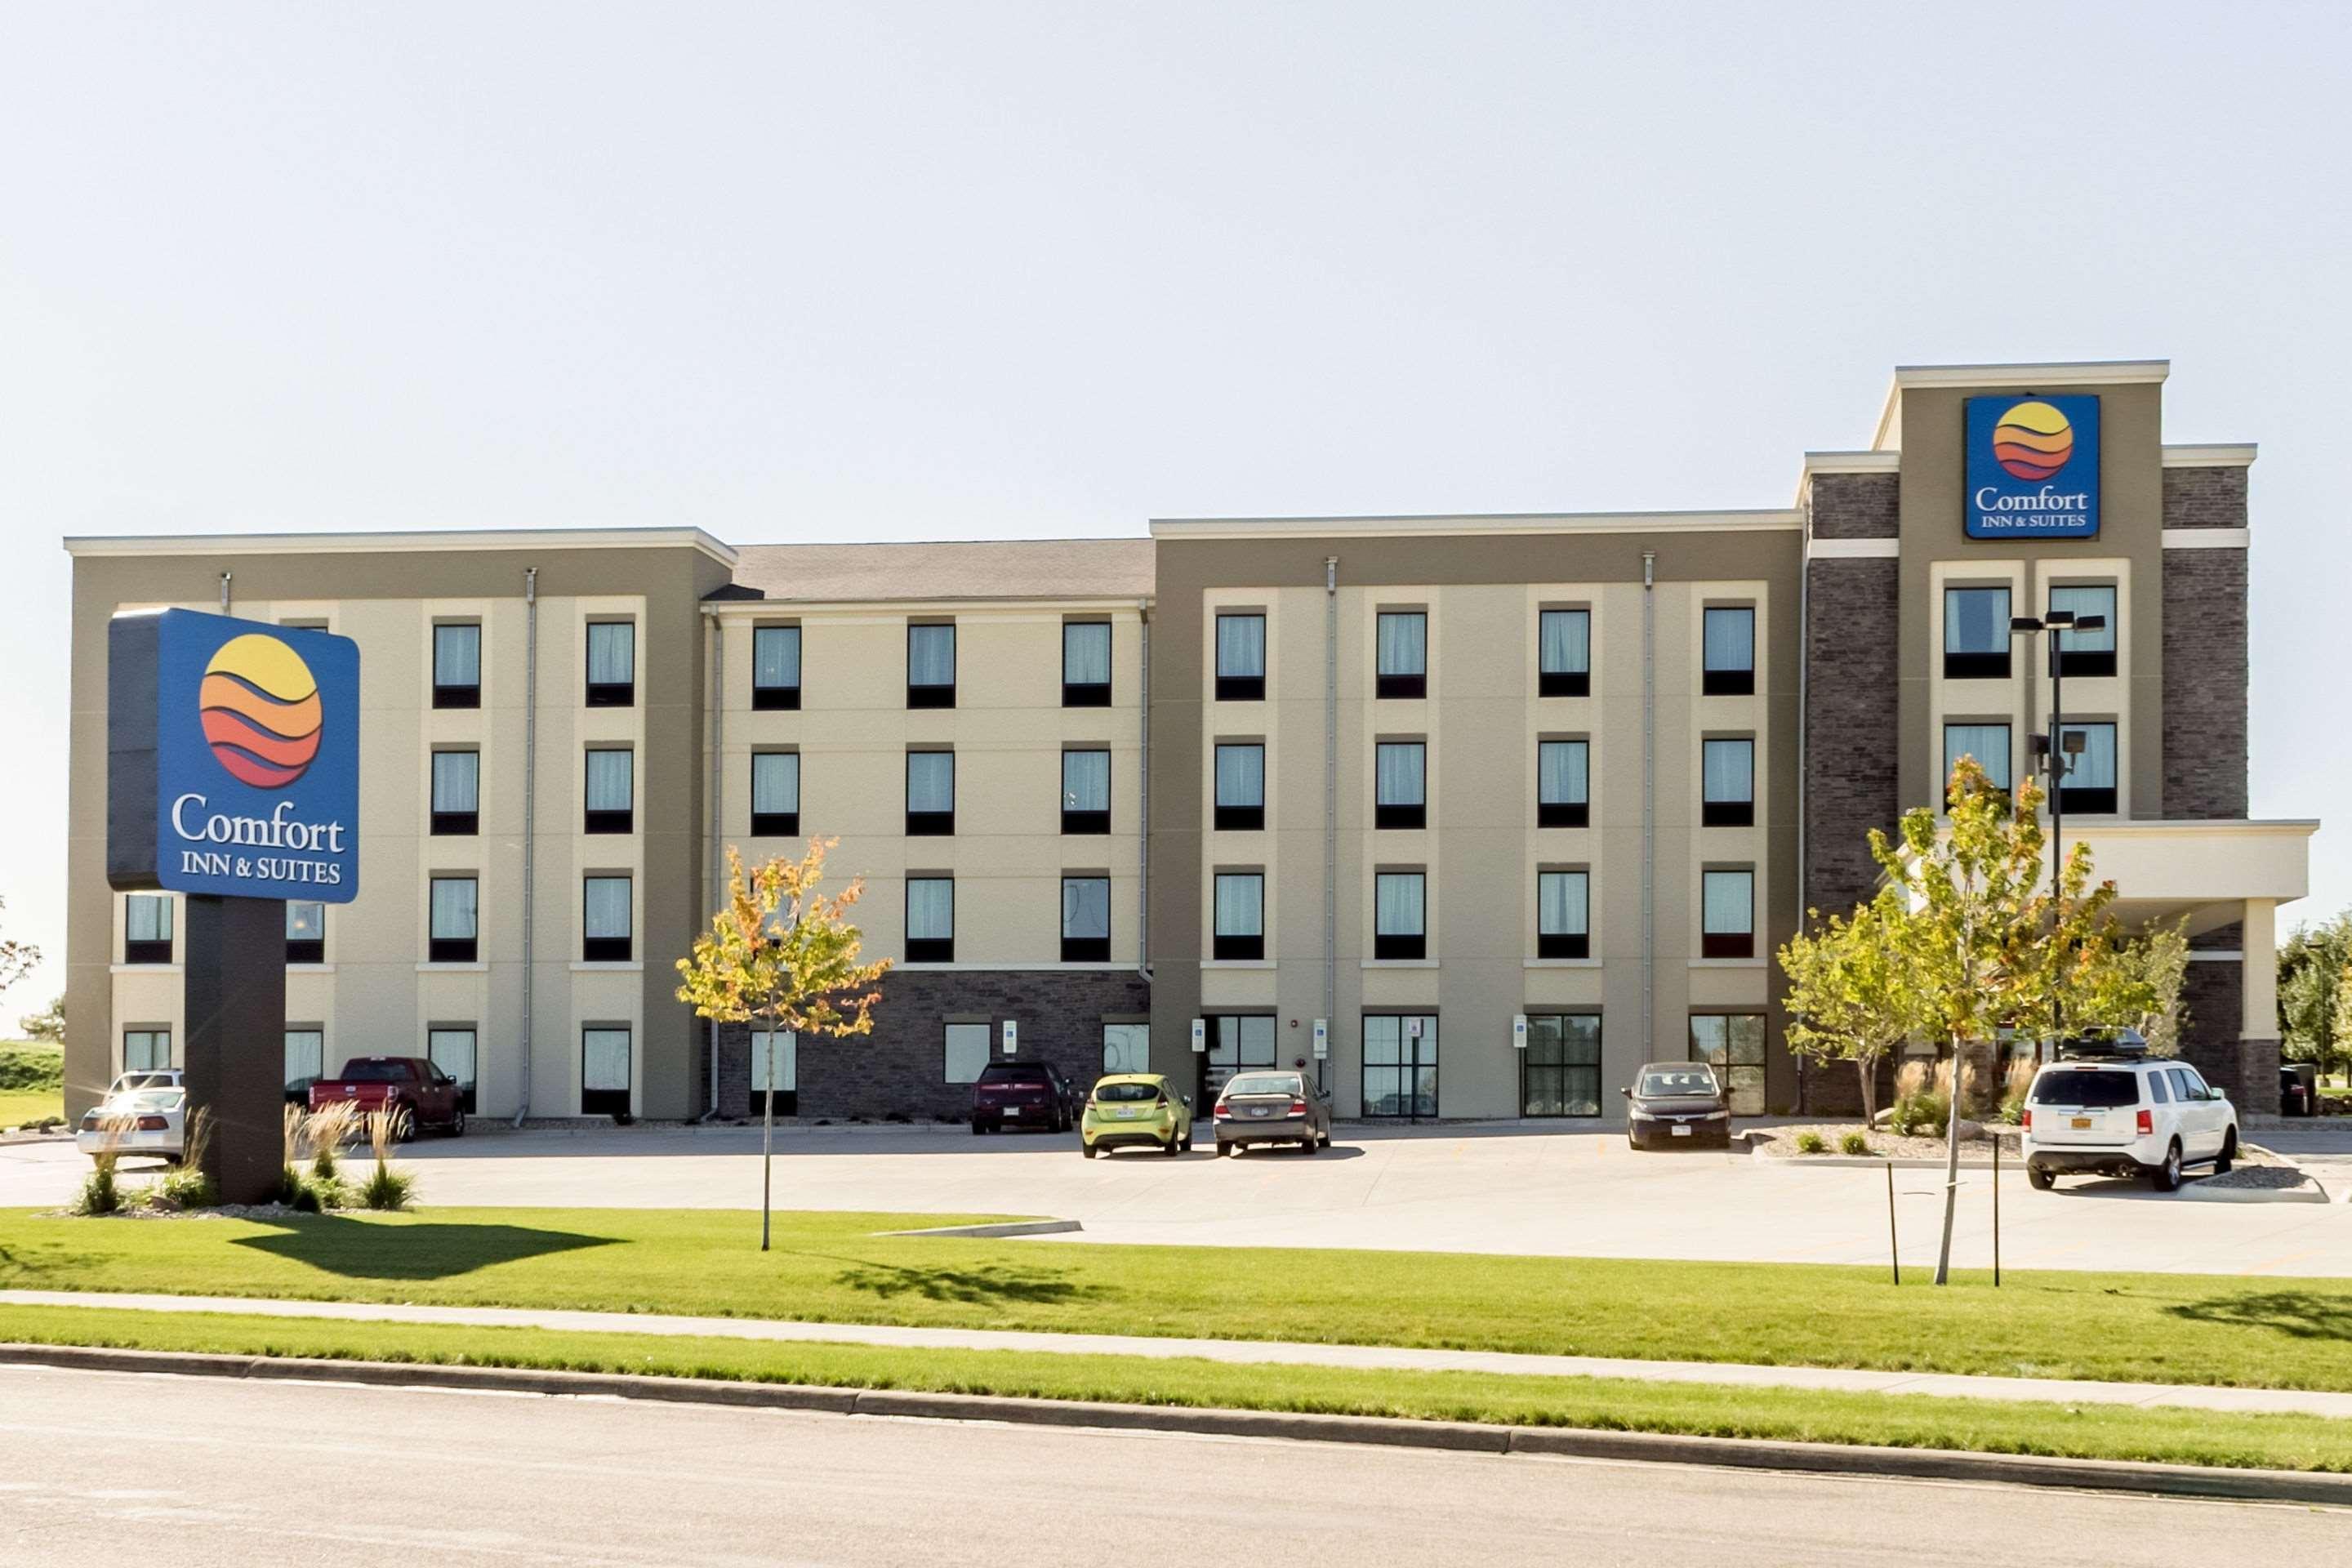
[
  {"x": 146, "y": 1051},
  {"x": 147, "y": 928},
  {"x": 1086, "y": 920},
  {"x": 452, "y": 1050},
  {"x": 306, "y": 932},
  {"x": 605, "y": 930},
  {"x": 1559, "y": 1073},
  {"x": 605, "y": 1071},
  {"x": 610, "y": 790},
  {"x": 454, "y": 917},
  {"x": 1728, "y": 783},
  {"x": 1399, "y": 785},
  {"x": 775, "y": 793},
  {"x": 1400, "y": 928},
  {"x": 930, "y": 920},
  {"x": 932, "y": 665},
  {"x": 1563, "y": 914},
  {"x": 1240, "y": 785},
  {"x": 930, "y": 793},
  {"x": 1564, "y": 653},
  {"x": 458, "y": 665},
  {"x": 776, "y": 668},
  {"x": 1086, "y": 664},
  {"x": 1126, "y": 1048},
  {"x": 1976, "y": 634},
  {"x": 456, "y": 793},
  {"x": 1733, "y": 1045},
  {"x": 1562, "y": 783},
  {"x": 2088, "y": 784},
  {"x": 1987, "y": 743},
  {"x": 1728, "y": 914},
  {"x": 1729, "y": 662},
  {"x": 1085, "y": 792},
  {"x": 1239, "y": 911},
  {"x": 1403, "y": 654},
  {"x": 965, "y": 1049},
  {"x": 2090, "y": 652},
  {"x": 306, "y": 1051},
  {"x": 1241, "y": 659},
  {"x": 776, "y": 1063},
  {"x": 612, "y": 664}
]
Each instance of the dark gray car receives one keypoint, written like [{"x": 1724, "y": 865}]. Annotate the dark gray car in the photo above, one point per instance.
[
  {"x": 1678, "y": 1105},
  {"x": 1274, "y": 1106}
]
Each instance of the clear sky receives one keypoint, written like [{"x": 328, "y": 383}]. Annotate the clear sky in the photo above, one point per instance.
[{"x": 883, "y": 271}]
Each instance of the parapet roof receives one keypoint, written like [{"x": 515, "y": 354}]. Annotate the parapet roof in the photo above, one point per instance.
[{"x": 944, "y": 569}]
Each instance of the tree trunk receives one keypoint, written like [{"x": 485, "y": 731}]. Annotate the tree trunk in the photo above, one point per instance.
[
  {"x": 1868, "y": 1067},
  {"x": 1951, "y": 1169},
  {"x": 767, "y": 1132}
]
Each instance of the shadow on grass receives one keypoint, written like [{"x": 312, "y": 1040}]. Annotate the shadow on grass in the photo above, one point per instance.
[
  {"x": 2298, "y": 1314},
  {"x": 989, "y": 1284},
  {"x": 428, "y": 1250}
]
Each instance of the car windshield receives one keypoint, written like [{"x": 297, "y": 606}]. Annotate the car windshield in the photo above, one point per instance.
[
  {"x": 131, "y": 1080},
  {"x": 2091, "y": 1090},
  {"x": 1263, "y": 1083},
  {"x": 375, "y": 1072},
  {"x": 1668, "y": 1082},
  {"x": 1130, "y": 1092},
  {"x": 144, "y": 1099}
]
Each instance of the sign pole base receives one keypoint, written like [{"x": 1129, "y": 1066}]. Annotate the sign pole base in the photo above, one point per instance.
[{"x": 233, "y": 967}]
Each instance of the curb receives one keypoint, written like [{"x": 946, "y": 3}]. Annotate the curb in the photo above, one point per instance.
[
  {"x": 2198, "y": 1192},
  {"x": 1008, "y": 1228},
  {"x": 1860, "y": 1162},
  {"x": 1644, "y": 1447}
]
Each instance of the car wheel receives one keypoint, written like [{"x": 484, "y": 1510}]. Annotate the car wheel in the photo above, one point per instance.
[
  {"x": 975, "y": 1127},
  {"x": 1311, "y": 1146},
  {"x": 2166, "y": 1177},
  {"x": 1173, "y": 1147},
  {"x": 2040, "y": 1180},
  {"x": 458, "y": 1123},
  {"x": 404, "y": 1128},
  {"x": 2229, "y": 1155},
  {"x": 1223, "y": 1148},
  {"x": 1188, "y": 1141},
  {"x": 1086, "y": 1148}
]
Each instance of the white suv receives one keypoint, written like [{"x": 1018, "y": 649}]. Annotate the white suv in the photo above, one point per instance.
[{"x": 2125, "y": 1115}]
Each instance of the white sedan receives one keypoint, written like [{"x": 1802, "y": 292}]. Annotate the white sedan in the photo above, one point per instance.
[{"x": 136, "y": 1121}]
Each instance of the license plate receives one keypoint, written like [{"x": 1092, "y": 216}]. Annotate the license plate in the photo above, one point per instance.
[
  {"x": 2082, "y": 1123},
  {"x": 1682, "y": 1129},
  {"x": 1012, "y": 1111},
  {"x": 1125, "y": 1114},
  {"x": 1261, "y": 1110}
]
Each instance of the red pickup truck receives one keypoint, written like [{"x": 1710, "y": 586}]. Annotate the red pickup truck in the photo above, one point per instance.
[{"x": 424, "y": 1095}]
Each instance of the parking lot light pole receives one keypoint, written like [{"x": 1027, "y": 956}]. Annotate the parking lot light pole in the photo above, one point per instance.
[{"x": 2054, "y": 757}]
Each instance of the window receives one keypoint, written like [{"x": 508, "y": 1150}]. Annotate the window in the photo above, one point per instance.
[
  {"x": 612, "y": 664},
  {"x": 605, "y": 1071},
  {"x": 932, "y": 665},
  {"x": 1237, "y": 1042},
  {"x": 1729, "y": 661},
  {"x": 1400, "y": 1065},
  {"x": 1726, "y": 914},
  {"x": 605, "y": 930},
  {"x": 1086, "y": 920},
  {"x": 776, "y": 1068},
  {"x": 775, "y": 793},
  {"x": 1085, "y": 792},
  {"x": 775, "y": 667},
  {"x": 611, "y": 790},
  {"x": 1086, "y": 664},
  {"x": 1560, "y": 1072},
  {"x": 452, "y": 1050},
  {"x": 1399, "y": 911},
  {"x": 457, "y": 794},
  {"x": 1987, "y": 743},
  {"x": 306, "y": 1052},
  {"x": 1126, "y": 1048},
  {"x": 1240, "y": 786},
  {"x": 930, "y": 920},
  {"x": 1562, "y": 783},
  {"x": 1404, "y": 654},
  {"x": 1727, "y": 786},
  {"x": 1564, "y": 653},
  {"x": 1563, "y": 914},
  {"x": 147, "y": 928},
  {"x": 1976, "y": 634},
  {"x": 2088, "y": 784},
  {"x": 1733, "y": 1045},
  {"x": 2086, "y": 653},
  {"x": 966, "y": 1052},
  {"x": 306, "y": 932},
  {"x": 931, "y": 793},
  {"x": 458, "y": 665},
  {"x": 1239, "y": 915},
  {"x": 1241, "y": 659},
  {"x": 455, "y": 915},
  {"x": 1399, "y": 792},
  {"x": 145, "y": 1050}
]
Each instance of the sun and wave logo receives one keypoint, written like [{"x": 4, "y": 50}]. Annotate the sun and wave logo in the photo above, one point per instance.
[
  {"x": 2032, "y": 441},
  {"x": 261, "y": 713}
]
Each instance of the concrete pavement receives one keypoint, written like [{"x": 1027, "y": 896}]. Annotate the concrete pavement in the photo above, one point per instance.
[{"x": 292, "y": 1472}]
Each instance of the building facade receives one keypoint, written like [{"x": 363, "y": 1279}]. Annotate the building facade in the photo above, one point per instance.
[{"x": 1475, "y": 814}]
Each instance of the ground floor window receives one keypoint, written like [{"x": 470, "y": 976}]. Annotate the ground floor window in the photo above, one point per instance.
[
  {"x": 776, "y": 1058},
  {"x": 1560, "y": 1071},
  {"x": 306, "y": 1051},
  {"x": 452, "y": 1050},
  {"x": 966, "y": 1052},
  {"x": 146, "y": 1048},
  {"x": 1127, "y": 1047},
  {"x": 1236, "y": 1040},
  {"x": 604, "y": 1072},
  {"x": 1400, "y": 1064},
  {"x": 1733, "y": 1045}
]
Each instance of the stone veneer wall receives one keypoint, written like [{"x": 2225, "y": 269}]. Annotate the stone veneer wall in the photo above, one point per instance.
[{"x": 2205, "y": 661}]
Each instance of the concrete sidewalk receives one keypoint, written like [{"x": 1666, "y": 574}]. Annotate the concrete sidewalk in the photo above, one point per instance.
[{"x": 1240, "y": 1352}]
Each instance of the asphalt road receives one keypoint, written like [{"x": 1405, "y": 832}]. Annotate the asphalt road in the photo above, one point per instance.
[{"x": 108, "y": 1469}]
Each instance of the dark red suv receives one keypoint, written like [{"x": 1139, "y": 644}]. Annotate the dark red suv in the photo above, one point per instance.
[{"x": 1022, "y": 1094}]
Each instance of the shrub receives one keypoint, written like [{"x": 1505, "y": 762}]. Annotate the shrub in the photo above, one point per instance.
[
  {"x": 1854, "y": 1143},
  {"x": 326, "y": 1129},
  {"x": 1922, "y": 1115},
  {"x": 387, "y": 1188},
  {"x": 32, "y": 1065},
  {"x": 185, "y": 1188},
  {"x": 99, "y": 1193},
  {"x": 1811, "y": 1142}
]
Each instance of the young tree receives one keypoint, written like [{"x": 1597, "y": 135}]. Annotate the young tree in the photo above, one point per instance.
[
  {"x": 50, "y": 1023},
  {"x": 2136, "y": 984},
  {"x": 17, "y": 959},
  {"x": 783, "y": 956},
  {"x": 2343, "y": 1009},
  {"x": 1852, "y": 996},
  {"x": 2309, "y": 964}
]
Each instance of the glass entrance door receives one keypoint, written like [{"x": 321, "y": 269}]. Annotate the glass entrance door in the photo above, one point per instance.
[
  {"x": 1400, "y": 1065},
  {"x": 1236, "y": 1041}
]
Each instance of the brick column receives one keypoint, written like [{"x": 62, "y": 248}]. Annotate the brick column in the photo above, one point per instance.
[{"x": 2257, "y": 1041}]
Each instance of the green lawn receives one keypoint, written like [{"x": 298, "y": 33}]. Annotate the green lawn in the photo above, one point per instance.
[
  {"x": 32, "y": 1075},
  {"x": 18, "y": 1106},
  {"x": 2180, "y": 1437},
  {"x": 2268, "y": 1333}
]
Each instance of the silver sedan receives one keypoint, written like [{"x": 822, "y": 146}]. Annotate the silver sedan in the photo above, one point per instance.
[{"x": 1272, "y": 1107}]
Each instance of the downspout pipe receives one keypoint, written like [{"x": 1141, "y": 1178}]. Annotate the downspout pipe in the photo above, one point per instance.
[
  {"x": 715, "y": 690},
  {"x": 1331, "y": 812},
  {"x": 1143, "y": 807},
  {"x": 1649, "y": 803},
  {"x": 225, "y": 577},
  {"x": 529, "y": 819}
]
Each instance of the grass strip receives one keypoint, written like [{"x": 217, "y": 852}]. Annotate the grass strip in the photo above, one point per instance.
[
  {"x": 19, "y": 1106},
  {"x": 1998, "y": 1426},
  {"x": 834, "y": 1267}
]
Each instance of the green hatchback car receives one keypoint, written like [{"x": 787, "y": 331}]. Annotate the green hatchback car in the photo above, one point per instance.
[{"x": 1135, "y": 1110}]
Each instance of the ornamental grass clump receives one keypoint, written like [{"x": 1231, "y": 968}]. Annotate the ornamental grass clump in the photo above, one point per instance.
[
  {"x": 188, "y": 1186},
  {"x": 1919, "y": 1110},
  {"x": 1811, "y": 1142},
  {"x": 385, "y": 1187},
  {"x": 289, "y": 1146},
  {"x": 100, "y": 1194},
  {"x": 2013, "y": 1091},
  {"x": 1855, "y": 1142}
]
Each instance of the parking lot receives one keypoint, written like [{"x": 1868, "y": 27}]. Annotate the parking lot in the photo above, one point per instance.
[{"x": 1500, "y": 1189}]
